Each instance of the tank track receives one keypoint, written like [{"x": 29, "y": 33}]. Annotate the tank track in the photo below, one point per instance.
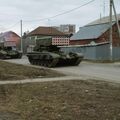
[
  {"x": 45, "y": 62},
  {"x": 55, "y": 62}
]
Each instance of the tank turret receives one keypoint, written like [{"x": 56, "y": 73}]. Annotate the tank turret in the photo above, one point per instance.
[
  {"x": 46, "y": 54},
  {"x": 9, "y": 53}
]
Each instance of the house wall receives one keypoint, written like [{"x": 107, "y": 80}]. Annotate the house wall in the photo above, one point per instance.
[
  {"x": 115, "y": 36},
  {"x": 11, "y": 36},
  {"x": 80, "y": 42},
  {"x": 28, "y": 44}
]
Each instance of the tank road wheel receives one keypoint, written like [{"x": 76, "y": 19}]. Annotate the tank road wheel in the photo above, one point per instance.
[
  {"x": 49, "y": 63},
  {"x": 45, "y": 63},
  {"x": 77, "y": 62},
  {"x": 31, "y": 61},
  {"x": 41, "y": 63},
  {"x": 52, "y": 63},
  {"x": 37, "y": 62}
]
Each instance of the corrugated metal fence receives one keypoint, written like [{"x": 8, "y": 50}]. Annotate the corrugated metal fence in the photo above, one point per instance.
[{"x": 95, "y": 52}]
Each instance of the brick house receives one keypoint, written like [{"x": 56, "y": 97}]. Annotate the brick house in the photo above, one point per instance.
[
  {"x": 95, "y": 34},
  {"x": 10, "y": 39},
  {"x": 58, "y": 38}
]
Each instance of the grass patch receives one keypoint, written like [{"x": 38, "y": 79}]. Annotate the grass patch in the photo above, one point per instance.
[
  {"x": 10, "y": 71},
  {"x": 61, "y": 100}
]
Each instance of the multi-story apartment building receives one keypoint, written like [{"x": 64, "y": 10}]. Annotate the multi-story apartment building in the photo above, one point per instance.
[{"x": 67, "y": 28}]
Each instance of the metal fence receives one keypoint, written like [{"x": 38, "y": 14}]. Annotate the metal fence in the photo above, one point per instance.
[{"x": 95, "y": 52}]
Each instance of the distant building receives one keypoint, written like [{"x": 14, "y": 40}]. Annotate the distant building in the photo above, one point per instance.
[
  {"x": 10, "y": 39},
  {"x": 67, "y": 28}
]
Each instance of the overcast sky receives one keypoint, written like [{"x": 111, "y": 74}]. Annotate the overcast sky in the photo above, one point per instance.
[{"x": 33, "y": 12}]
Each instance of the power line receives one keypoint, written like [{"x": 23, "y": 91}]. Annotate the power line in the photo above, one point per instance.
[
  {"x": 104, "y": 8},
  {"x": 66, "y": 12},
  {"x": 47, "y": 18},
  {"x": 11, "y": 26}
]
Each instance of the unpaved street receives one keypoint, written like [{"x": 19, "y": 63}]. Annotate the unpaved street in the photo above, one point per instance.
[{"x": 104, "y": 71}]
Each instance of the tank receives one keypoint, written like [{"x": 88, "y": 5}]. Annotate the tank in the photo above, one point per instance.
[
  {"x": 48, "y": 55},
  {"x": 3, "y": 54},
  {"x": 9, "y": 53}
]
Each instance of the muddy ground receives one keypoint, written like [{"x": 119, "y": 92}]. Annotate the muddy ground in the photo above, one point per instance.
[
  {"x": 61, "y": 100},
  {"x": 11, "y": 71}
]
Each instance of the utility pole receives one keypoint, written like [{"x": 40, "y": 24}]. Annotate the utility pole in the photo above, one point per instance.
[
  {"x": 21, "y": 35},
  {"x": 111, "y": 54},
  {"x": 111, "y": 47},
  {"x": 117, "y": 22}
]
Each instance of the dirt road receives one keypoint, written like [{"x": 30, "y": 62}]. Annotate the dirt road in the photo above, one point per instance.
[{"x": 104, "y": 71}]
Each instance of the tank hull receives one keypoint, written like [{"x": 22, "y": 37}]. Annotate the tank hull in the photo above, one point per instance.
[
  {"x": 48, "y": 59},
  {"x": 10, "y": 54}
]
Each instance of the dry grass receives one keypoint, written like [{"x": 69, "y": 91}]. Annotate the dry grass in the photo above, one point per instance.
[
  {"x": 10, "y": 71},
  {"x": 62, "y": 100}
]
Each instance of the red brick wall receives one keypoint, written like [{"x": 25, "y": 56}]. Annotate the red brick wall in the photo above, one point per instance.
[
  {"x": 80, "y": 42},
  {"x": 116, "y": 39},
  {"x": 115, "y": 36}
]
